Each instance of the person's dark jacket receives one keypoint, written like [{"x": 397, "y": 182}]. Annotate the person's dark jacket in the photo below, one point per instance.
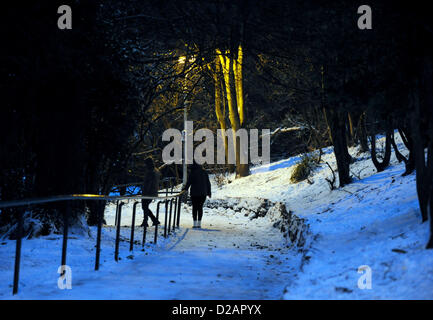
[
  {"x": 199, "y": 182},
  {"x": 150, "y": 185}
]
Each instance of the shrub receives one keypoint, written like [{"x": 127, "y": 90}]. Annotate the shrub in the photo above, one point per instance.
[
  {"x": 303, "y": 168},
  {"x": 221, "y": 179}
]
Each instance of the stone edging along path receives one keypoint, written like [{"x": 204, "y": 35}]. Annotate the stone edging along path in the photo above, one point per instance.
[{"x": 295, "y": 229}]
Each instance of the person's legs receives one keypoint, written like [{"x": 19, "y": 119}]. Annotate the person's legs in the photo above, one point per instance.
[
  {"x": 145, "y": 206},
  {"x": 197, "y": 209},
  {"x": 146, "y": 211},
  {"x": 195, "y": 206},
  {"x": 200, "y": 207}
]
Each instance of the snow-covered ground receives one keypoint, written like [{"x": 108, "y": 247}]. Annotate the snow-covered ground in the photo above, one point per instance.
[
  {"x": 374, "y": 221},
  {"x": 231, "y": 257}
]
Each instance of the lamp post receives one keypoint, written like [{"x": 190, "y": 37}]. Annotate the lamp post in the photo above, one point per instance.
[
  {"x": 184, "y": 138},
  {"x": 182, "y": 60}
]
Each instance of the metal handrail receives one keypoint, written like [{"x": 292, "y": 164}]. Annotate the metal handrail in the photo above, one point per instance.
[{"x": 27, "y": 202}]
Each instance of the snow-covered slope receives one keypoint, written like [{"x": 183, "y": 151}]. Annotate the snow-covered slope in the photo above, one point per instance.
[{"x": 374, "y": 221}]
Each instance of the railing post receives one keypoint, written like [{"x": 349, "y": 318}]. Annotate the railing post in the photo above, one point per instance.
[
  {"x": 117, "y": 213},
  {"x": 66, "y": 213},
  {"x": 156, "y": 227},
  {"x": 131, "y": 241},
  {"x": 178, "y": 209},
  {"x": 169, "y": 217},
  {"x": 98, "y": 235},
  {"x": 165, "y": 220},
  {"x": 119, "y": 218},
  {"x": 19, "y": 232},
  {"x": 174, "y": 214},
  {"x": 145, "y": 218}
]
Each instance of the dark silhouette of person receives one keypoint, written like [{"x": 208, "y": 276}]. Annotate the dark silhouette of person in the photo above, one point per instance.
[
  {"x": 198, "y": 180},
  {"x": 149, "y": 188}
]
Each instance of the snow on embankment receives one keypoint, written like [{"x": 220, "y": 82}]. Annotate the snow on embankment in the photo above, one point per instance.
[
  {"x": 292, "y": 227},
  {"x": 374, "y": 221}
]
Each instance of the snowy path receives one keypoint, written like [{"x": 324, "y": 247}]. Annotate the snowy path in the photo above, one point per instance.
[{"x": 231, "y": 257}]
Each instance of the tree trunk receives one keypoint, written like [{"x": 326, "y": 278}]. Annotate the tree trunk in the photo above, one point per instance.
[
  {"x": 327, "y": 124},
  {"x": 380, "y": 166},
  {"x": 422, "y": 129},
  {"x": 419, "y": 141},
  {"x": 430, "y": 193},
  {"x": 95, "y": 208},
  {"x": 226, "y": 62},
  {"x": 398, "y": 154},
  {"x": 363, "y": 134},
  {"x": 408, "y": 142},
  {"x": 219, "y": 111},
  {"x": 243, "y": 170},
  {"x": 337, "y": 126},
  {"x": 351, "y": 133}
]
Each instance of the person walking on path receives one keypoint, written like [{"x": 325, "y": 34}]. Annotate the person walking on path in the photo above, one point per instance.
[
  {"x": 199, "y": 182},
  {"x": 149, "y": 188}
]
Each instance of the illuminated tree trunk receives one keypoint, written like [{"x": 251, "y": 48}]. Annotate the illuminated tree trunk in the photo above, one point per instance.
[
  {"x": 237, "y": 71},
  {"x": 220, "y": 112},
  {"x": 243, "y": 170},
  {"x": 226, "y": 63}
]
